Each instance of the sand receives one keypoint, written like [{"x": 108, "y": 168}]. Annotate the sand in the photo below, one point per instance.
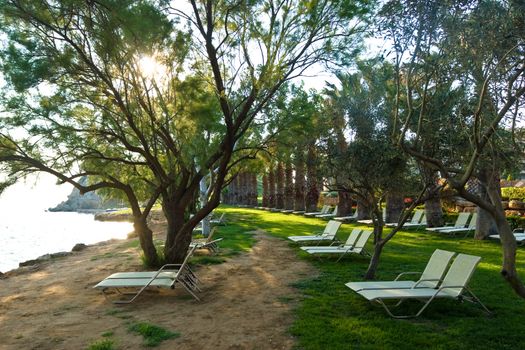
[{"x": 246, "y": 302}]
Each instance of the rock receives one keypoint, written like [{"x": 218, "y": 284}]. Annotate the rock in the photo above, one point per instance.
[
  {"x": 514, "y": 204},
  {"x": 505, "y": 204},
  {"x": 86, "y": 202},
  {"x": 79, "y": 247},
  {"x": 43, "y": 258},
  {"x": 2, "y": 275}
]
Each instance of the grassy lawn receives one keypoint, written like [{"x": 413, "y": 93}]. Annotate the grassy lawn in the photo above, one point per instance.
[{"x": 331, "y": 316}]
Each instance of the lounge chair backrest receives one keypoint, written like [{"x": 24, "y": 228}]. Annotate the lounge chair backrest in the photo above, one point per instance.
[
  {"x": 436, "y": 267},
  {"x": 472, "y": 223},
  {"x": 210, "y": 235},
  {"x": 182, "y": 268},
  {"x": 416, "y": 218},
  {"x": 331, "y": 228},
  {"x": 361, "y": 242},
  {"x": 423, "y": 220},
  {"x": 462, "y": 219},
  {"x": 460, "y": 273},
  {"x": 325, "y": 209},
  {"x": 335, "y": 210},
  {"x": 352, "y": 238}
]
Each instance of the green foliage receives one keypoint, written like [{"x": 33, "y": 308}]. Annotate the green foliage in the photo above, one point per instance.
[
  {"x": 153, "y": 335},
  {"x": 513, "y": 193},
  {"x": 105, "y": 344}
]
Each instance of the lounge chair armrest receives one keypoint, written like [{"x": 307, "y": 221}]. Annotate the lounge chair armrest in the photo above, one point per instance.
[
  {"x": 518, "y": 230},
  {"x": 407, "y": 273}
]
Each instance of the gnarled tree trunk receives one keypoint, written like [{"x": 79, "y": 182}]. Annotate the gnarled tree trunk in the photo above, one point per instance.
[
  {"x": 433, "y": 209},
  {"x": 394, "y": 206},
  {"x": 485, "y": 224},
  {"x": 145, "y": 235},
  {"x": 344, "y": 207}
]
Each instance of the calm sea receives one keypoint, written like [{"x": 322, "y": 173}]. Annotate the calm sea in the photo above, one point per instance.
[{"x": 28, "y": 231}]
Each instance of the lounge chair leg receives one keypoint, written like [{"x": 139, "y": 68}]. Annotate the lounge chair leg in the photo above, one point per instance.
[{"x": 476, "y": 300}]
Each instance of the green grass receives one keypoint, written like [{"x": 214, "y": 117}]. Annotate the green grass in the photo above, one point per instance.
[
  {"x": 105, "y": 344},
  {"x": 331, "y": 316},
  {"x": 153, "y": 335}
]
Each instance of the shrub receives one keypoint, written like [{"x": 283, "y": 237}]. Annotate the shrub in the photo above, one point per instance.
[
  {"x": 153, "y": 335},
  {"x": 517, "y": 193},
  {"x": 105, "y": 344}
]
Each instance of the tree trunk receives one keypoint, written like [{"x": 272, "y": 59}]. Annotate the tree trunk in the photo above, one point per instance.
[
  {"x": 298, "y": 203},
  {"x": 288, "y": 187},
  {"x": 363, "y": 210},
  {"x": 279, "y": 179},
  {"x": 434, "y": 212},
  {"x": 145, "y": 235},
  {"x": 271, "y": 188},
  {"x": 344, "y": 207},
  {"x": 433, "y": 209},
  {"x": 374, "y": 261},
  {"x": 177, "y": 239},
  {"x": 394, "y": 206},
  {"x": 266, "y": 192},
  {"x": 312, "y": 191},
  {"x": 485, "y": 224},
  {"x": 253, "y": 190}
]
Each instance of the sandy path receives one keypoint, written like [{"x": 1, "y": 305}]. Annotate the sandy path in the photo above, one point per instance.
[{"x": 246, "y": 302}]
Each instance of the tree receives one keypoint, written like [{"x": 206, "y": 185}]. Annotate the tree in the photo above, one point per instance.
[
  {"x": 485, "y": 65},
  {"x": 90, "y": 53}
]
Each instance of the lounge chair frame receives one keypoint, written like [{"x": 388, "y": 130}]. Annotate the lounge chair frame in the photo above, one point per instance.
[{"x": 183, "y": 275}]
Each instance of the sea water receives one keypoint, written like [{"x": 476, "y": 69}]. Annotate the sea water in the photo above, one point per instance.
[{"x": 28, "y": 230}]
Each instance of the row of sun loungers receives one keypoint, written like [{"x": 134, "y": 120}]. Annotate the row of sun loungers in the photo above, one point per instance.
[{"x": 439, "y": 279}]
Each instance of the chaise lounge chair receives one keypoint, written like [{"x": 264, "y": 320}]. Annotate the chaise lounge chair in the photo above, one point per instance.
[
  {"x": 418, "y": 220},
  {"x": 466, "y": 230},
  {"x": 370, "y": 221},
  {"x": 352, "y": 217},
  {"x": 207, "y": 243},
  {"x": 353, "y": 245},
  {"x": 329, "y": 234},
  {"x": 328, "y": 215},
  {"x": 454, "y": 286},
  {"x": 461, "y": 222},
  {"x": 221, "y": 221},
  {"x": 166, "y": 277},
  {"x": 324, "y": 210},
  {"x": 430, "y": 277},
  {"x": 519, "y": 235}
]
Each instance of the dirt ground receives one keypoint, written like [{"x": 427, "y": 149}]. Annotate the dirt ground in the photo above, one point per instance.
[{"x": 246, "y": 303}]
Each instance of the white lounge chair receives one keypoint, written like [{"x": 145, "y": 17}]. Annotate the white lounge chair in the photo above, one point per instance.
[
  {"x": 352, "y": 217},
  {"x": 430, "y": 277},
  {"x": 358, "y": 247},
  {"x": 328, "y": 215},
  {"x": 324, "y": 210},
  {"x": 519, "y": 235},
  {"x": 207, "y": 243},
  {"x": 466, "y": 230},
  {"x": 418, "y": 220},
  {"x": 461, "y": 222},
  {"x": 370, "y": 221},
  {"x": 220, "y": 221},
  {"x": 329, "y": 234},
  {"x": 166, "y": 277},
  {"x": 454, "y": 286}
]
